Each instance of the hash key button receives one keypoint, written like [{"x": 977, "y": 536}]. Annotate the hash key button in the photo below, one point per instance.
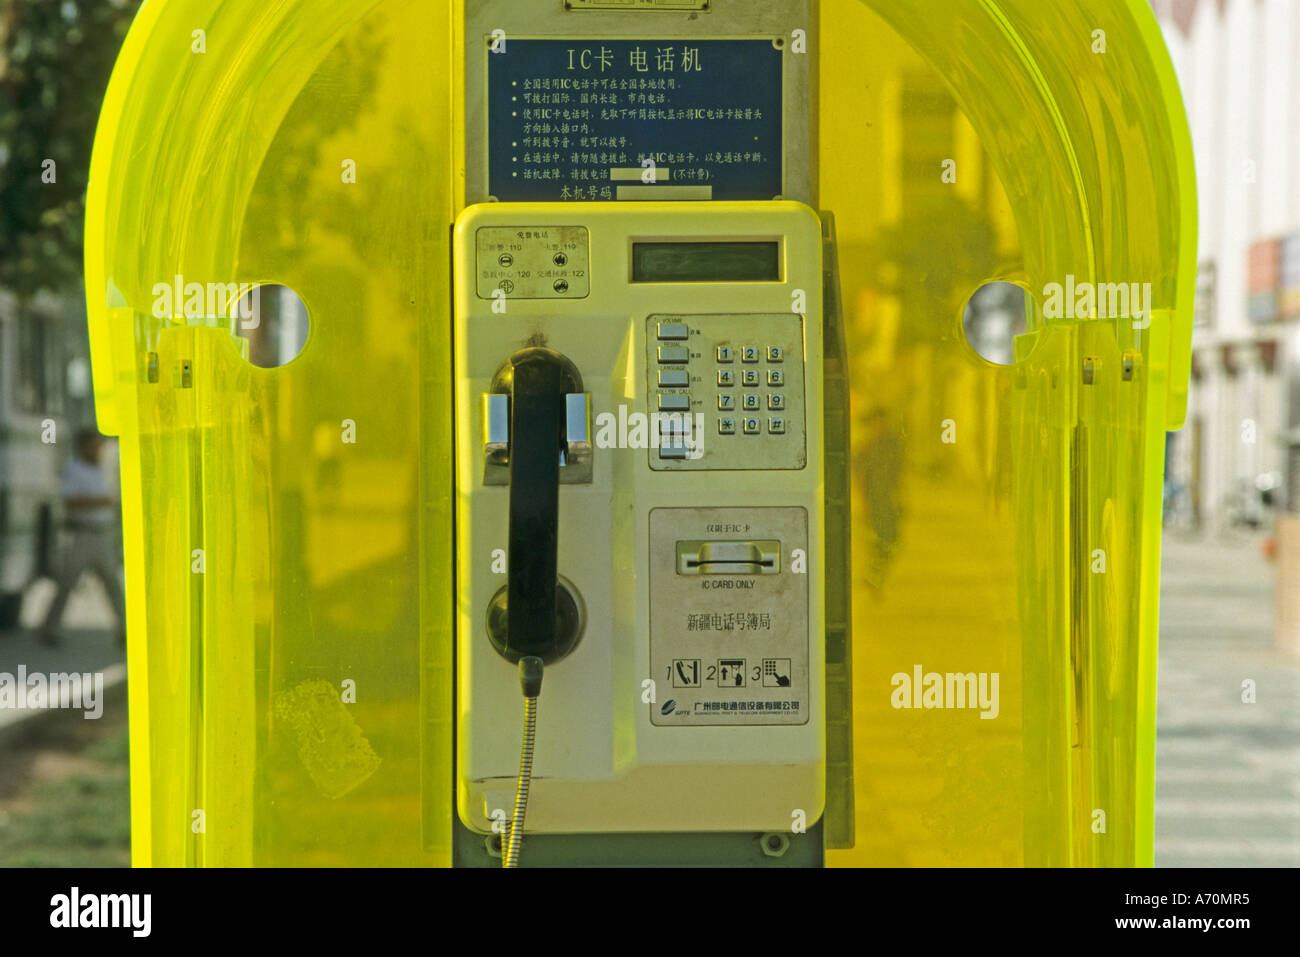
[{"x": 776, "y": 424}]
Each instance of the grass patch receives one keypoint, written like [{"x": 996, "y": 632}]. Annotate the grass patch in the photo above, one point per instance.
[{"x": 82, "y": 819}]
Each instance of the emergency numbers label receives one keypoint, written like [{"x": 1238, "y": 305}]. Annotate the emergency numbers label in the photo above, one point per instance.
[
  {"x": 605, "y": 119},
  {"x": 532, "y": 262}
]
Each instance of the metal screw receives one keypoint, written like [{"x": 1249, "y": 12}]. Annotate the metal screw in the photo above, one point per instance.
[{"x": 774, "y": 844}]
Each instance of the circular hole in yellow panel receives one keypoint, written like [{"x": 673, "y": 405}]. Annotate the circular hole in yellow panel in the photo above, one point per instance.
[
  {"x": 275, "y": 322},
  {"x": 994, "y": 315}
]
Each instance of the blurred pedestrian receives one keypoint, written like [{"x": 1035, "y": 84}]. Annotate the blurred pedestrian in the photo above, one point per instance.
[
  {"x": 94, "y": 542},
  {"x": 882, "y": 466}
]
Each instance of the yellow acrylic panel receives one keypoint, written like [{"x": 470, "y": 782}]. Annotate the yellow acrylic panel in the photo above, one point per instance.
[
  {"x": 1029, "y": 518},
  {"x": 275, "y": 517}
]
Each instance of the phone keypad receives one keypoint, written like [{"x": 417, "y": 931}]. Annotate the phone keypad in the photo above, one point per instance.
[{"x": 769, "y": 432}]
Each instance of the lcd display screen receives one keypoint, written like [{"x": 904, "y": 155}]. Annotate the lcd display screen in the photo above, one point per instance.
[{"x": 706, "y": 262}]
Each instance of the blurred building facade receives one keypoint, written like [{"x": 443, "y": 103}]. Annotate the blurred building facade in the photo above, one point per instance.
[{"x": 1238, "y": 62}]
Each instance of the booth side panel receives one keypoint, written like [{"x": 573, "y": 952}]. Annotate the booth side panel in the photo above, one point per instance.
[
  {"x": 1006, "y": 517},
  {"x": 288, "y": 528}
]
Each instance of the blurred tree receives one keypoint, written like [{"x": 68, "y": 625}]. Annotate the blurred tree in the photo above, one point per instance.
[{"x": 55, "y": 59}]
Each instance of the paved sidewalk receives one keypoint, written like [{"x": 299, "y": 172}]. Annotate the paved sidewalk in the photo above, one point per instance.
[
  {"x": 88, "y": 643},
  {"x": 1227, "y": 772}
]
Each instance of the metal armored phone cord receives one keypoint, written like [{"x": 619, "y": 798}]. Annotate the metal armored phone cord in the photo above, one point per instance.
[{"x": 530, "y": 682}]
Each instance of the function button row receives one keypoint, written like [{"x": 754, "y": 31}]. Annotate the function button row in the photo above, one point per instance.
[
  {"x": 674, "y": 378},
  {"x": 676, "y": 355},
  {"x": 674, "y": 402}
]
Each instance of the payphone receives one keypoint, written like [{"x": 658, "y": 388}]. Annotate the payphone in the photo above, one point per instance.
[
  {"x": 640, "y": 478},
  {"x": 639, "y": 460}
]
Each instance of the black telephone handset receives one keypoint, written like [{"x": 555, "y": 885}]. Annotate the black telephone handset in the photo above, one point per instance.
[
  {"x": 534, "y": 620},
  {"x": 534, "y": 615}
]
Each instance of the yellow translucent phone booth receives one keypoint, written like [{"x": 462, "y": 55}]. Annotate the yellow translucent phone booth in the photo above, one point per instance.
[{"x": 723, "y": 432}]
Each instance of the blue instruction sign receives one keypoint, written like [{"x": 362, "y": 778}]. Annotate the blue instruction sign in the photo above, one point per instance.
[{"x": 601, "y": 119}]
